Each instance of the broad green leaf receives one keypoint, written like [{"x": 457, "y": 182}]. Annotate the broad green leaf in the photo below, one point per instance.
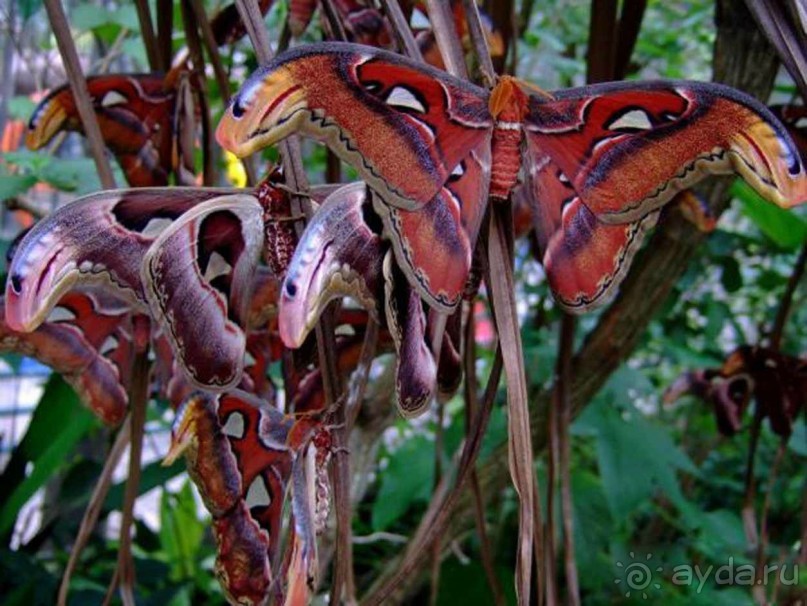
[
  {"x": 21, "y": 108},
  {"x": 181, "y": 531},
  {"x": 467, "y": 584},
  {"x": 636, "y": 459},
  {"x": 408, "y": 478},
  {"x": 14, "y": 185},
  {"x": 782, "y": 226},
  {"x": 59, "y": 422}
]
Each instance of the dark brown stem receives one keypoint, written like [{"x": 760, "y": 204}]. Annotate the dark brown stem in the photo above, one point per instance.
[
  {"x": 138, "y": 401},
  {"x": 446, "y": 36},
  {"x": 400, "y": 29},
  {"x": 480, "y": 43},
  {"x": 200, "y": 82},
  {"x": 549, "y": 565},
  {"x": 762, "y": 545},
  {"x": 78, "y": 85},
  {"x": 212, "y": 48},
  {"x": 333, "y": 20},
  {"x": 165, "y": 31},
  {"x": 786, "y": 302},
  {"x": 147, "y": 31},
  {"x": 565, "y": 351},
  {"x": 749, "y": 494},
  {"x": 94, "y": 507},
  {"x": 630, "y": 21},
  {"x": 438, "y": 474},
  {"x": 601, "y": 40}
]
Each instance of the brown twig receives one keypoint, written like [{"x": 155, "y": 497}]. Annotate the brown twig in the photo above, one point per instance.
[
  {"x": 212, "y": 49},
  {"x": 762, "y": 544},
  {"x": 138, "y": 401},
  {"x": 400, "y": 29},
  {"x": 197, "y": 58},
  {"x": 147, "y": 32},
  {"x": 786, "y": 303},
  {"x": 94, "y": 507},
  {"x": 78, "y": 85},
  {"x": 165, "y": 30},
  {"x": 446, "y": 36},
  {"x": 565, "y": 351},
  {"x": 480, "y": 43},
  {"x": 471, "y": 406}
]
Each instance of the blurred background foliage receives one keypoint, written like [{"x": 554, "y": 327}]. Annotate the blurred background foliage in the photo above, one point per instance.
[{"x": 652, "y": 483}]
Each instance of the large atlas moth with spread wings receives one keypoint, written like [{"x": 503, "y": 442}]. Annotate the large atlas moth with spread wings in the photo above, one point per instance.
[
  {"x": 599, "y": 163},
  {"x": 140, "y": 117}
]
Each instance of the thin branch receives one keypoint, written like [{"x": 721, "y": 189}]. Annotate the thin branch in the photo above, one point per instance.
[
  {"x": 94, "y": 507},
  {"x": 446, "y": 36},
  {"x": 786, "y": 302},
  {"x": 147, "y": 32},
  {"x": 471, "y": 406},
  {"x": 565, "y": 351},
  {"x": 400, "y": 29},
  {"x": 480, "y": 43},
  {"x": 138, "y": 401},
  {"x": 165, "y": 30},
  {"x": 78, "y": 85}
]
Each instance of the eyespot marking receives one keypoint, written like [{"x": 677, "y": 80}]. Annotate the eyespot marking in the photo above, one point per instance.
[
  {"x": 633, "y": 119},
  {"x": 234, "y": 426},
  {"x": 405, "y": 99},
  {"x": 258, "y": 494},
  {"x": 113, "y": 98}
]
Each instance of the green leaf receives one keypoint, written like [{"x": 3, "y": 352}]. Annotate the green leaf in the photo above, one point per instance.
[
  {"x": 21, "y": 108},
  {"x": 181, "y": 531},
  {"x": 71, "y": 175},
  {"x": 28, "y": 8},
  {"x": 784, "y": 227},
  {"x": 408, "y": 478},
  {"x": 636, "y": 459},
  {"x": 14, "y": 185},
  {"x": 59, "y": 422}
]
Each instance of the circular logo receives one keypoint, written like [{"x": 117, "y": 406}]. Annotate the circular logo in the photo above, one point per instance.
[{"x": 636, "y": 577}]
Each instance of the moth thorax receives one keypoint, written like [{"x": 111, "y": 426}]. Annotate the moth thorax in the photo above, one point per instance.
[{"x": 506, "y": 158}]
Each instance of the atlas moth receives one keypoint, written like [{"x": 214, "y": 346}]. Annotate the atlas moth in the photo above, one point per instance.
[{"x": 598, "y": 164}]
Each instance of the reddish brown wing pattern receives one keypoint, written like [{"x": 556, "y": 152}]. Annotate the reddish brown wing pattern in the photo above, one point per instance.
[
  {"x": 584, "y": 258},
  {"x": 88, "y": 341},
  {"x": 403, "y": 126},
  {"x": 135, "y": 113},
  {"x": 242, "y": 454},
  {"x": 98, "y": 239},
  {"x": 198, "y": 278},
  {"x": 628, "y": 148},
  {"x": 794, "y": 117}
]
